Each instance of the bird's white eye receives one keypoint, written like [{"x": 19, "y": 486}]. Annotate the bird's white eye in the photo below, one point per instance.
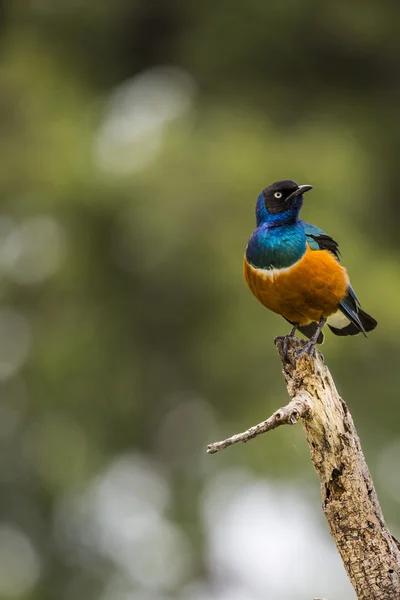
[{"x": 278, "y": 195}]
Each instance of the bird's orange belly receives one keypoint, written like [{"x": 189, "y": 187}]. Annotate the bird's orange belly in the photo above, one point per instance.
[{"x": 312, "y": 288}]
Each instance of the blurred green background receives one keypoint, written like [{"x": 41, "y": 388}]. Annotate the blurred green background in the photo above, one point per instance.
[{"x": 135, "y": 136}]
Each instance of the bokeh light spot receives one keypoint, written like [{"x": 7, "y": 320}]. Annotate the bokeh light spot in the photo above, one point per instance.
[
  {"x": 19, "y": 562},
  {"x": 32, "y": 251},
  {"x": 15, "y": 341},
  {"x": 139, "y": 110},
  {"x": 121, "y": 516}
]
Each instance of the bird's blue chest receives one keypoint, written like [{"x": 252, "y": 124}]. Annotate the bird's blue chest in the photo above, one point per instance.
[{"x": 276, "y": 247}]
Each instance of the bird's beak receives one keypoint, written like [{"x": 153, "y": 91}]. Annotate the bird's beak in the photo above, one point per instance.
[{"x": 299, "y": 192}]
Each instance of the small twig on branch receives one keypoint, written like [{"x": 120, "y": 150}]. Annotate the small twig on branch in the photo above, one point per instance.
[{"x": 287, "y": 415}]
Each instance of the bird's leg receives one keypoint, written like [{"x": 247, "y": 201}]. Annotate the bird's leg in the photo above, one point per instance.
[
  {"x": 287, "y": 338},
  {"x": 308, "y": 347}
]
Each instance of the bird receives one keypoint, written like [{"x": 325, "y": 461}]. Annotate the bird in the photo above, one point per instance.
[{"x": 293, "y": 268}]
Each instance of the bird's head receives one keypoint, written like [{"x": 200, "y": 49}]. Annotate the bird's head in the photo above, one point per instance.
[{"x": 280, "y": 202}]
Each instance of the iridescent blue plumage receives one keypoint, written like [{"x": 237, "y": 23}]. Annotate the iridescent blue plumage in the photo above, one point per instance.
[
  {"x": 279, "y": 239},
  {"x": 276, "y": 247}
]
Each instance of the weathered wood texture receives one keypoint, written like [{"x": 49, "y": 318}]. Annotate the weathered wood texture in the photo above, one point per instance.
[{"x": 370, "y": 554}]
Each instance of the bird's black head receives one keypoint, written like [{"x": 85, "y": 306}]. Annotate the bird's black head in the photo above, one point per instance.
[{"x": 282, "y": 195}]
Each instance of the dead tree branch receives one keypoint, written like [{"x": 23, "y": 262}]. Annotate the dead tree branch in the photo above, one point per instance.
[
  {"x": 287, "y": 415},
  {"x": 370, "y": 554}
]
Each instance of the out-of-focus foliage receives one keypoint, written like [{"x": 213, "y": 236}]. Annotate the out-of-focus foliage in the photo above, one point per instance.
[{"x": 135, "y": 137}]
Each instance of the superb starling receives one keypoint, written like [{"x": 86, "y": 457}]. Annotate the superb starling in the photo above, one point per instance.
[{"x": 293, "y": 268}]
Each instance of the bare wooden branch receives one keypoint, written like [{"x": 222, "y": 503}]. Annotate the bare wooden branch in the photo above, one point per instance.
[
  {"x": 370, "y": 554},
  {"x": 287, "y": 415}
]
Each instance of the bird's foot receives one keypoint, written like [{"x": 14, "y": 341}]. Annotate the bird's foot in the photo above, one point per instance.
[
  {"x": 284, "y": 339},
  {"x": 309, "y": 347},
  {"x": 285, "y": 346},
  {"x": 306, "y": 349}
]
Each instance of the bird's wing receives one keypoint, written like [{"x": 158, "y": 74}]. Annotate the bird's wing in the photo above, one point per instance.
[{"x": 319, "y": 240}]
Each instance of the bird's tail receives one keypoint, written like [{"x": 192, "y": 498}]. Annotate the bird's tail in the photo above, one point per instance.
[
  {"x": 363, "y": 324},
  {"x": 351, "y": 322}
]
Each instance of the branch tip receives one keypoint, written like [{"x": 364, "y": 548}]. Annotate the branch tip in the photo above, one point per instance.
[{"x": 287, "y": 415}]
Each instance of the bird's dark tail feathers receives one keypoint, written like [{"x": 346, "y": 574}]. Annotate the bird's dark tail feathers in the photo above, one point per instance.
[
  {"x": 360, "y": 322},
  {"x": 350, "y": 318}
]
